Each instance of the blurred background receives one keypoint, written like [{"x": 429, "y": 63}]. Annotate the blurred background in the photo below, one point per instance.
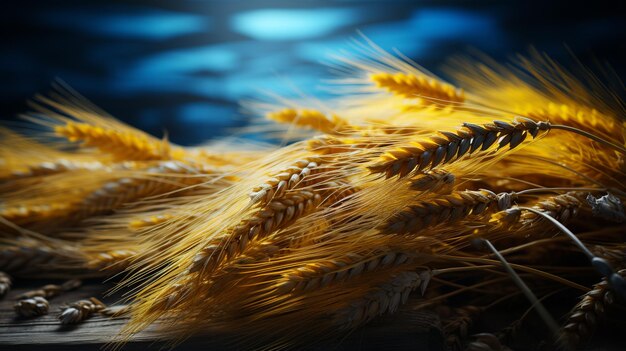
[{"x": 183, "y": 66}]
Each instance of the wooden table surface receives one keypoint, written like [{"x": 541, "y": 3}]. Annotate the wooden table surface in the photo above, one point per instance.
[{"x": 408, "y": 329}]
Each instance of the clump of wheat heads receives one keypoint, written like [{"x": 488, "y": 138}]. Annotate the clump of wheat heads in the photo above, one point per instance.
[{"x": 381, "y": 198}]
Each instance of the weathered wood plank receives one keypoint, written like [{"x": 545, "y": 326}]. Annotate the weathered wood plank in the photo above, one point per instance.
[{"x": 408, "y": 329}]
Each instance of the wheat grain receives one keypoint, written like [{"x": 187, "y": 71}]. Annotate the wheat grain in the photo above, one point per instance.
[
  {"x": 31, "y": 307},
  {"x": 452, "y": 146},
  {"x": 5, "y": 284},
  {"x": 52, "y": 290},
  {"x": 27, "y": 214},
  {"x": 79, "y": 311},
  {"x": 151, "y": 221}
]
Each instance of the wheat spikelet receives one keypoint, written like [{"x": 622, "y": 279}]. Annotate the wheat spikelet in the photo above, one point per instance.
[
  {"x": 583, "y": 318},
  {"x": 79, "y": 311},
  {"x": 452, "y": 146},
  {"x": 5, "y": 284},
  {"x": 324, "y": 273},
  {"x": 444, "y": 209},
  {"x": 430, "y": 91},
  {"x": 380, "y": 300},
  {"x": 313, "y": 119}
]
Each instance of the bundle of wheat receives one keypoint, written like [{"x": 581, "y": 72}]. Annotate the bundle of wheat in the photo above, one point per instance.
[{"x": 311, "y": 240}]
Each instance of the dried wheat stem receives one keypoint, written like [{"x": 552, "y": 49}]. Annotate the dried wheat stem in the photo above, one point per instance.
[
  {"x": 121, "y": 145},
  {"x": 278, "y": 213},
  {"x": 431, "y": 91},
  {"x": 452, "y": 146},
  {"x": 300, "y": 174},
  {"x": 380, "y": 300},
  {"x": 5, "y": 284},
  {"x": 324, "y": 273},
  {"x": 444, "y": 209},
  {"x": 78, "y": 311},
  {"x": 585, "y": 315},
  {"x": 310, "y": 118}
]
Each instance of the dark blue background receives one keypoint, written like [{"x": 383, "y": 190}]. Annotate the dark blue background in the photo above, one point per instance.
[{"x": 182, "y": 66}]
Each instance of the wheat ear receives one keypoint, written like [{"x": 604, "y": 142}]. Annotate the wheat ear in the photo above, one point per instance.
[
  {"x": 310, "y": 118},
  {"x": 111, "y": 261},
  {"x": 452, "y": 146},
  {"x": 324, "y": 273},
  {"x": 443, "y": 209},
  {"x": 59, "y": 166},
  {"x": 380, "y": 300},
  {"x": 26, "y": 214},
  {"x": 432, "y": 92},
  {"x": 456, "y": 329},
  {"x": 299, "y": 174},
  {"x": 278, "y": 213},
  {"x": 436, "y": 181},
  {"x": 27, "y": 258},
  {"x": 123, "y": 146},
  {"x": 583, "y": 318},
  {"x": 78, "y": 311}
]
